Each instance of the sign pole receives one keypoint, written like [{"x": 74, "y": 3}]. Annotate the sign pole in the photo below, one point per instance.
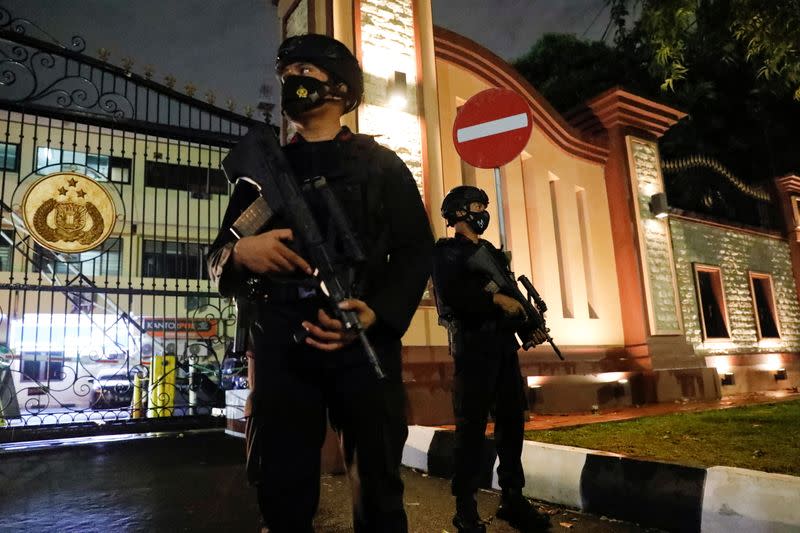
[
  {"x": 501, "y": 218},
  {"x": 489, "y": 131}
]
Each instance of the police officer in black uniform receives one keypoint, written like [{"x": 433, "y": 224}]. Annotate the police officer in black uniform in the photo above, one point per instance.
[
  {"x": 296, "y": 385},
  {"x": 487, "y": 374}
]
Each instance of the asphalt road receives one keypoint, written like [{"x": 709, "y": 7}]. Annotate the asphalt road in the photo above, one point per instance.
[{"x": 196, "y": 482}]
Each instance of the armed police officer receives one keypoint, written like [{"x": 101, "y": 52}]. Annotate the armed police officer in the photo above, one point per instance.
[
  {"x": 487, "y": 374},
  {"x": 305, "y": 365}
]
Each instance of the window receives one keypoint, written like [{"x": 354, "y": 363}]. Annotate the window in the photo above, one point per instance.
[
  {"x": 116, "y": 169},
  {"x": 9, "y": 157},
  {"x": 764, "y": 306},
  {"x": 167, "y": 259},
  {"x": 91, "y": 263},
  {"x": 711, "y": 301},
  {"x": 42, "y": 366},
  {"x": 198, "y": 180},
  {"x": 6, "y": 250},
  {"x": 196, "y": 302}
]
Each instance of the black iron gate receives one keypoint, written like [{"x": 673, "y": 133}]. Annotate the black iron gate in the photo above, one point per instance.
[{"x": 110, "y": 192}]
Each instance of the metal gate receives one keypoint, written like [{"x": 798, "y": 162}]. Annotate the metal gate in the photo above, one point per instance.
[{"x": 110, "y": 193}]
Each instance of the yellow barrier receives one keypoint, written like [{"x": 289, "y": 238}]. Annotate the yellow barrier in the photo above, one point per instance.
[
  {"x": 156, "y": 375},
  {"x": 162, "y": 386},
  {"x": 139, "y": 383}
]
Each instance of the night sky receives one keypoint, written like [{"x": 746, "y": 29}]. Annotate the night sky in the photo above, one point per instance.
[{"x": 228, "y": 46}]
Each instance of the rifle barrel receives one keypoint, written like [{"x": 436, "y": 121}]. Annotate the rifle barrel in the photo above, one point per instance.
[
  {"x": 371, "y": 355},
  {"x": 555, "y": 348}
]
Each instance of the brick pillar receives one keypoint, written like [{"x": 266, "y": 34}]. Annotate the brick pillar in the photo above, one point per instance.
[
  {"x": 626, "y": 246},
  {"x": 788, "y": 188},
  {"x": 651, "y": 316},
  {"x": 388, "y": 48}
]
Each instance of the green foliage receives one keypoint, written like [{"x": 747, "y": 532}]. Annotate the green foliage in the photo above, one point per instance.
[
  {"x": 569, "y": 70},
  {"x": 667, "y": 25},
  {"x": 767, "y": 32},
  {"x": 754, "y": 437},
  {"x": 771, "y": 34},
  {"x": 735, "y": 79}
]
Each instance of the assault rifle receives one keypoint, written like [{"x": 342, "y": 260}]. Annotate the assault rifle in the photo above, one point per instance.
[
  {"x": 502, "y": 281},
  {"x": 258, "y": 159}
]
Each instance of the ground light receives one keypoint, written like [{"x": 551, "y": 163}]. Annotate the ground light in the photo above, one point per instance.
[{"x": 534, "y": 394}]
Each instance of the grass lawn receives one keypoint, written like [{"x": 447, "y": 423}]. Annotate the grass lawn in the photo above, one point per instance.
[{"x": 760, "y": 437}]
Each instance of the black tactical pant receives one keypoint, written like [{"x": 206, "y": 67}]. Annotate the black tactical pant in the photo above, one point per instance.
[
  {"x": 487, "y": 380},
  {"x": 295, "y": 389}
]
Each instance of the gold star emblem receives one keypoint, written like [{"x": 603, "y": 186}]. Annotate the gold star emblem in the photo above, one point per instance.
[
  {"x": 302, "y": 92},
  {"x": 69, "y": 212}
]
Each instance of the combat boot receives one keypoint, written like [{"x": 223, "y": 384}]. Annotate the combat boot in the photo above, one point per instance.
[
  {"x": 467, "y": 519},
  {"x": 520, "y": 513}
]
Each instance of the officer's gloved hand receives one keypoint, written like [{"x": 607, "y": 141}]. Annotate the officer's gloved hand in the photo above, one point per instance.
[
  {"x": 267, "y": 253},
  {"x": 509, "y": 305},
  {"x": 329, "y": 335},
  {"x": 540, "y": 335}
]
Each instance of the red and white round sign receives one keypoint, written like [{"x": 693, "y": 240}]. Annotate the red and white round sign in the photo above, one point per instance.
[{"x": 492, "y": 128}]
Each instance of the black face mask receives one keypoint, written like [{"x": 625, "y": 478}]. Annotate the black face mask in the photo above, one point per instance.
[
  {"x": 478, "y": 222},
  {"x": 302, "y": 93}
]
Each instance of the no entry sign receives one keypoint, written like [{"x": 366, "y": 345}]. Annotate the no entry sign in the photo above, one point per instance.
[{"x": 492, "y": 128}]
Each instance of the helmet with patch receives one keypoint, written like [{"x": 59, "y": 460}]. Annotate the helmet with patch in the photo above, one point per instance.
[
  {"x": 328, "y": 54},
  {"x": 459, "y": 198}
]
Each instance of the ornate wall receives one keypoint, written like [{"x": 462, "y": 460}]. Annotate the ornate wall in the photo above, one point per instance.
[
  {"x": 736, "y": 252},
  {"x": 660, "y": 288}
]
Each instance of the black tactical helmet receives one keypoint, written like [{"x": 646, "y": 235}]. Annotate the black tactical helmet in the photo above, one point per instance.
[
  {"x": 459, "y": 198},
  {"x": 328, "y": 54}
]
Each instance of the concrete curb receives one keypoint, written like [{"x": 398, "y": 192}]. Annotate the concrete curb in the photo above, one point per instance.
[
  {"x": 650, "y": 493},
  {"x": 737, "y": 499}
]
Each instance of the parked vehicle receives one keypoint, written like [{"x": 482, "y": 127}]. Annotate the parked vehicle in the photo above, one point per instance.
[{"x": 111, "y": 389}]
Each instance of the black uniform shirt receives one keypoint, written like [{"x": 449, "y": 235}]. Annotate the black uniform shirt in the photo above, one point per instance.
[
  {"x": 462, "y": 292},
  {"x": 380, "y": 196}
]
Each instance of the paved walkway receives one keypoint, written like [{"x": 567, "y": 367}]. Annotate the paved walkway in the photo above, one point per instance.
[{"x": 429, "y": 507}]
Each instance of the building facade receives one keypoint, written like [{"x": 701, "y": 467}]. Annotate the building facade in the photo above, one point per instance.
[{"x": 110, "y": 193}]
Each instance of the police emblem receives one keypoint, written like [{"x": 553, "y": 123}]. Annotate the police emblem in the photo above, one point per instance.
[
  {"x": 302, "y": 92},
  {"x": 68, "y": 212}
]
